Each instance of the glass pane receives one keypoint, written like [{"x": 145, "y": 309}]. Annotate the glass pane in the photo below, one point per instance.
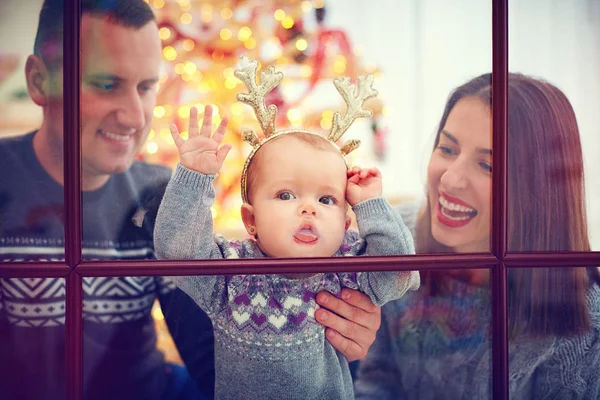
[
  {"x": 434, "y": 343},
  {"x": 32, "y": 310},
  {"x": 554, "y": 330},
  {"x": 134, "y": 329},
  {"x": 311, "y": 43},
  {"x": 31, "y": 200},
  {"x": 32, "y": 338},
  {"x": 553, "y": 120},
  {"x": 267, "y": 324}
]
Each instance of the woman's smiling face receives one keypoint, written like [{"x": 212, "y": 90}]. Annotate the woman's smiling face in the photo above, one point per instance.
[{"x": 459, "y": 178}]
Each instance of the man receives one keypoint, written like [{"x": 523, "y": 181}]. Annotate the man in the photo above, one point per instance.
[{"x": 120, "y": 60}]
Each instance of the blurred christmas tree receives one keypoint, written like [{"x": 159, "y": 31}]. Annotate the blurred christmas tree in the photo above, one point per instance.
[{"x": 202, "y": 43}]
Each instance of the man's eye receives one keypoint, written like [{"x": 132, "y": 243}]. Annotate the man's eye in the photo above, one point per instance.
[
  {"x": 328, "y": 200},
  {"x": 285, "y": 196},
  {"x": 105, "y": 86},
  {"x": 146, "y": 88}
]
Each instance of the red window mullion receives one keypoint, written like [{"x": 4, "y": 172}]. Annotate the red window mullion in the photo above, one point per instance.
[
  {"x": 499, "y": 198},
  {"x": 72, "y": 201}
]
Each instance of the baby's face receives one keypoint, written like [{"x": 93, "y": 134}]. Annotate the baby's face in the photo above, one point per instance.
[{"x": 299, "y": 199}]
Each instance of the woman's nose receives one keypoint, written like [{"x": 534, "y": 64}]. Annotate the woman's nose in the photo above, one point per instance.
[{"x": 456, "y": 176}]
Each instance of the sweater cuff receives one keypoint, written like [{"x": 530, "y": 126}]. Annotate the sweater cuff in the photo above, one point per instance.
[
  {"x": 370, "y": 207},
  {"x": 192, "y": 179}
]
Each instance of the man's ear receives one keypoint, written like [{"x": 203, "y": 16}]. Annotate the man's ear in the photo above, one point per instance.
[
  {"x": 348, "y": 222},
  {"x": 37, "y": 77},
  {"x": 248, "y": 219}
]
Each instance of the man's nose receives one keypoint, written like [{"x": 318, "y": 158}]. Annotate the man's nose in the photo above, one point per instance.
[{"x": 131, "y": 112}]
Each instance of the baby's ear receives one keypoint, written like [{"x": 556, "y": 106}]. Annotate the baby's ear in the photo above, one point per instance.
[
  {"x": 248, "y": 219},
  {"x": 348, "y": 222}
]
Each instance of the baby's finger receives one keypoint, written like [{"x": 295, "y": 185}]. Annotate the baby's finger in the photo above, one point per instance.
[
  {"x": 374, "y": 172},
  {"x": 193, "y": 126},
  {"x": 353, "y": 171},
  {"x": 222, "y": 153},
  {"x": 220, "y": 132},
  {"x": 175, "y": 135},
  {"x": 354, "y": 179},
  {"x": 207, "y": 121}
]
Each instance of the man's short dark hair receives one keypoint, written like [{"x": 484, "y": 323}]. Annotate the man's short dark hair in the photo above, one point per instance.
[{"x": 49, "y": 38}]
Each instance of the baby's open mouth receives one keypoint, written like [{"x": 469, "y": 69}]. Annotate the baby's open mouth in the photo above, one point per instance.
[
  {"x": 454, "y": 211},
  {"x": 306, "y": 234}
]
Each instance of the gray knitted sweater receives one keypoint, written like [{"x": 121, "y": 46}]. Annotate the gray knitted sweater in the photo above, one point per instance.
[{"x": 267, "y": 343}]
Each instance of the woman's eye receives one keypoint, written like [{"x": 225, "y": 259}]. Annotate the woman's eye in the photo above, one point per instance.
[
  {"x": 446, "y": 150},
  {"x": 328, "y": 200},
  {"x": 486, "y": 166},
  {"x": 285, "y": 196}
]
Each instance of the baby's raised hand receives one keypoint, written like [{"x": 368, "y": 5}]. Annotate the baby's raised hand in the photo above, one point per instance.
[
  {"x": 200, "y": 151},
  {"x": 363, "y": 184}
]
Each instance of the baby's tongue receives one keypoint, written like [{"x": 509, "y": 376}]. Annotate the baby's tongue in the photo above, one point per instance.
[{"x": 306, "y": 235}]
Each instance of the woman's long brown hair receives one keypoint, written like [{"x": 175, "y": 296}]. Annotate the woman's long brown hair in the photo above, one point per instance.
[{"x": 546, "y": 206}]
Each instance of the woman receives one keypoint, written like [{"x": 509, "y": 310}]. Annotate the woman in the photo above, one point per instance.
[{"x": 435, "y": 343}]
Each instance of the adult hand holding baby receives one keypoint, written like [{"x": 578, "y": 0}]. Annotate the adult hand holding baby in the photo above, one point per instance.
[{"x": 201, "y": 152}]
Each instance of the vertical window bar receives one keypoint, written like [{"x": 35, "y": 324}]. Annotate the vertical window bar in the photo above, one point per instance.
[
  {"x": 73, "y": 290},
  {"x": 73, "y": 336},
  {"x": 499, "y": 197}
]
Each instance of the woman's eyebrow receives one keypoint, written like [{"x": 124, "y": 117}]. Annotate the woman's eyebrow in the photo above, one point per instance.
[
  {"x": 455, "y": 140},
  {"x": 450, "y": 136}
]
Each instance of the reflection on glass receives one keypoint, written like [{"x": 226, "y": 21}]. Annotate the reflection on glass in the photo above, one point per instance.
[
  {"x": 554, "y": 333},
  {"x": 32, "y": 338},
  {"x": 128, "y": 351},
  {"x": 120, "y": 61},
  {"x": 269, "y": 325},
  {"x": 553, "y": 127},
  {"x": 456, "y": 214},
  {"x": 32, "y": 310},
  {"x": 544, "y": 146},
  {"x": 310, "y": 54},
  {"x": 31, "y": 200},
  {"x": 433, "y": 343}
]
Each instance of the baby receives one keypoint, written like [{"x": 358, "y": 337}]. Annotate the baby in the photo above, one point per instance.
[{"x": 296, "y": 190}]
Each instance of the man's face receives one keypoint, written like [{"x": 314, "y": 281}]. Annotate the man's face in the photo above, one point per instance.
[{"x": 119, "y": 72}]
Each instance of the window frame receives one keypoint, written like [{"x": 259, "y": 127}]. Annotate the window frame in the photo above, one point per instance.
[{"x": 498, "y": 260}]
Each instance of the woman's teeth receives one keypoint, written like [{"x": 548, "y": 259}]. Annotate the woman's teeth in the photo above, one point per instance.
[
  {"x": 454, "y": 207},
  {"x": 455, "y": 212},
  {"x": 114, "y": 136}
]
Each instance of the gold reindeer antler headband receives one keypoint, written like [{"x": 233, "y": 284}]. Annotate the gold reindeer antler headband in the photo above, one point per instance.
[{"x": 353, "y": 96}]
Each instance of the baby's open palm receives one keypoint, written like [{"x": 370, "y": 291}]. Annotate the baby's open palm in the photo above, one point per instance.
[{"x": 201, "y": 152}]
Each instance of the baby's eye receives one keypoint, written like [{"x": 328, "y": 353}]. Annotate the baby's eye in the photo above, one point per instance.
[
  {"x": 328, "y": 200},
  {"x": 285, "y": 196}
]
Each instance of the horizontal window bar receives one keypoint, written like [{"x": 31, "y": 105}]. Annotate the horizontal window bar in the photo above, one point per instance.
[
  {"x": 279, "y": 265},
  {"x": 33, "y": 270}
]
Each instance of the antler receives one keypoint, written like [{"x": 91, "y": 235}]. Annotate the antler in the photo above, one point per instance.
[
  {"x": 255, "y": 97},
  {"x": 355, "y": 100}
]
